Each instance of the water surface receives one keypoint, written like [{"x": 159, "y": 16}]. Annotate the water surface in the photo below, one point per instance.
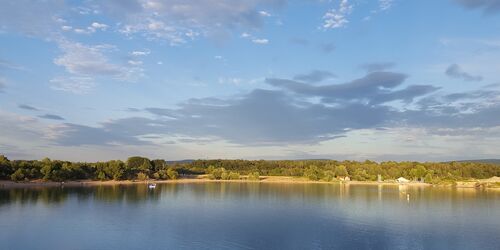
[{"x": 249, "y": 216}]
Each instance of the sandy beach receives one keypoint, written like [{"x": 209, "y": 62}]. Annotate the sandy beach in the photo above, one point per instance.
[{"x": 491, "y": 183}]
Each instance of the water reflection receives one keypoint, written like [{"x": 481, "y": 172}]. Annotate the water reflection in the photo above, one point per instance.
[
  {"x": 248, "y": 216},
  {"x": 268, "y": 191}
]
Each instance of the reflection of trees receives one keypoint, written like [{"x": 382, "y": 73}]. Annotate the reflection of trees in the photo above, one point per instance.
[
  {"x": 131, "y": 194},
  {"x": 52, "y": 196},
  {"x": 58, "y": 195}
]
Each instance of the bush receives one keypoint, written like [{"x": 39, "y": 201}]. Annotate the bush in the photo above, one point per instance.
[
  {"x": 328, "y": 175},
  {"x": 156, "y": 176},
  {"x": 313, "y": 173},
  {"x": 142, "y": 176},
  {"x": 217, "y": 174},
  {"x": 172, "y": 174},
  {"x": 234, "y": 176},
  {"x": 18, "y": 175},
  {"x": 254, "y": 176}
]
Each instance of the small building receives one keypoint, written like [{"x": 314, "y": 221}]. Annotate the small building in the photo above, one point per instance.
[
  {"x": 344, "y": 178},
  {"x": 402, "y": 180}
]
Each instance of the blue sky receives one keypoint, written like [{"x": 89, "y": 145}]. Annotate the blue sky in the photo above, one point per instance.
[{"x": 256, "y": 79}]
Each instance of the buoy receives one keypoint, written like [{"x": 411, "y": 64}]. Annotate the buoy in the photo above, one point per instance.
[{"x": 408, "y": 197}]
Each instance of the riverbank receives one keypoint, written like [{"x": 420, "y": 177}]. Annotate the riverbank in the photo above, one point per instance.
[{"x": 491, "y": 183}]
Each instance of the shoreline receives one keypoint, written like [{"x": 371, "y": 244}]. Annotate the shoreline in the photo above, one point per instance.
[{"x": 473, "y": 184}]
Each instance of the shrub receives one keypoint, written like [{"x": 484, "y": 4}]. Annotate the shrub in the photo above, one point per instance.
[
  {"x": 18, "y": 175},
  {"x": 172, "y": 174},
  {"x": 234, "y": 176},
  {"x": 142, "y": 176},
  {"x": 328, "y": 175},
  {"x": 254, "y": 176},
  {"x": 313, "y": 173}
]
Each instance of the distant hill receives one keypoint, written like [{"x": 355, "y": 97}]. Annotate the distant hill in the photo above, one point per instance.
[
  {"x": 180, "y": 161},
  {"x": 492, "y": 161}
]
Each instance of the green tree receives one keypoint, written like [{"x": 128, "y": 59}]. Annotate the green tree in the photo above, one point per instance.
[
  {"x": 18, "y": 175},
  {"x": 172, "y": 174},
  {"x": 329, "y": 175},
  {"x": 116, "y": 169},
  {"x": 5, "y": 167},
  {"x": 137, "y": 164},
  {"x": 341, "y": 170},
  {"x": 360, "y": 175},
  {"x": 313, "y": 173},
  {"x": 217, "y": 173}
]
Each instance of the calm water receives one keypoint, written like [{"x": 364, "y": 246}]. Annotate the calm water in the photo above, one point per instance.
[{"x": 249, "y": 216}]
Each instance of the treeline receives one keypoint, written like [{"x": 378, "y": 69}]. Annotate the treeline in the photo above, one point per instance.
[
  {"x": 140, "y": 168},
  {"x": 328, "y": 170},
  {"x": 135, "y": 168}
]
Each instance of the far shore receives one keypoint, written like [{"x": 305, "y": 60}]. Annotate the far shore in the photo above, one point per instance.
[{"x": 491, "y": 183}]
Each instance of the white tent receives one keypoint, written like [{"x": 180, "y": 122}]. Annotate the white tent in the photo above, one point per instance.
[{"x": 402, "y": 180}]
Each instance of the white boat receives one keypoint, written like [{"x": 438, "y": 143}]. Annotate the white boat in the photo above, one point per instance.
[{"x": 152, "y": 185}]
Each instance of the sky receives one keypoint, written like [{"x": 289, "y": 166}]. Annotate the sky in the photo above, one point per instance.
[{"x": 382, "y": 80}]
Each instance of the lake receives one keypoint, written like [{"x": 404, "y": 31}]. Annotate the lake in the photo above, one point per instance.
[{"x": 249, "y": 216}]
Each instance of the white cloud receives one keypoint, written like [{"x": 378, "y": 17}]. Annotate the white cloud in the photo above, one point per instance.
[
  {"x": 66, "y": 28},
  {"x": 337, "y": 18},
  {"x": 99, "y": 26},
  {"x": 254, "y": 39},
  {"x": 230, "y": 80},
  {"x": 73, "y": 84},
  {"x": 140, "y": 53},
  {"x": 176, "y": 21},
  {"x": 264, "y": 13},
  {"x": 260, "y": 41},
  {"x": 135, "y": 62},
  {"x": 153, "y": 30},
  {"x": 82, "y": 31},
  {"x": 92, "y": 28},
  {"x": 245, "y": 35},
  {"x": 85, "y": 63},
  {"x": 81, "y": 59}
]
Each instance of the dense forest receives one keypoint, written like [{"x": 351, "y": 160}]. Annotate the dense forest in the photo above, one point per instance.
[{"x": 140, "y": 168}]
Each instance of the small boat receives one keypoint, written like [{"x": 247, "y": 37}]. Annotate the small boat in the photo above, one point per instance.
[{"x": 152, "y": 185}]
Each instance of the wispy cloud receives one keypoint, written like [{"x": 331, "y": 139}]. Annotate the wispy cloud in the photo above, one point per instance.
[
  {"x": 455, "y": 71},
  {"x": 27, "y": 107},
  {"x": 176, "y": 22},
  {"x": 81, "y": 59},
  {"x": 84, "y": 63},
  {"x": 337, "y": 18},
  {"x": 260, "y": 41},
  {"x": 140, "y": 52},
  {"x": 314, "y": 76},
  {"x": 254, "y": 39},
  {"x": 51, "y": 117},
  {"x": 377, "y": 66},
  {"x": 73, "y": 84},
  {"x": 92, "y": 28}
]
